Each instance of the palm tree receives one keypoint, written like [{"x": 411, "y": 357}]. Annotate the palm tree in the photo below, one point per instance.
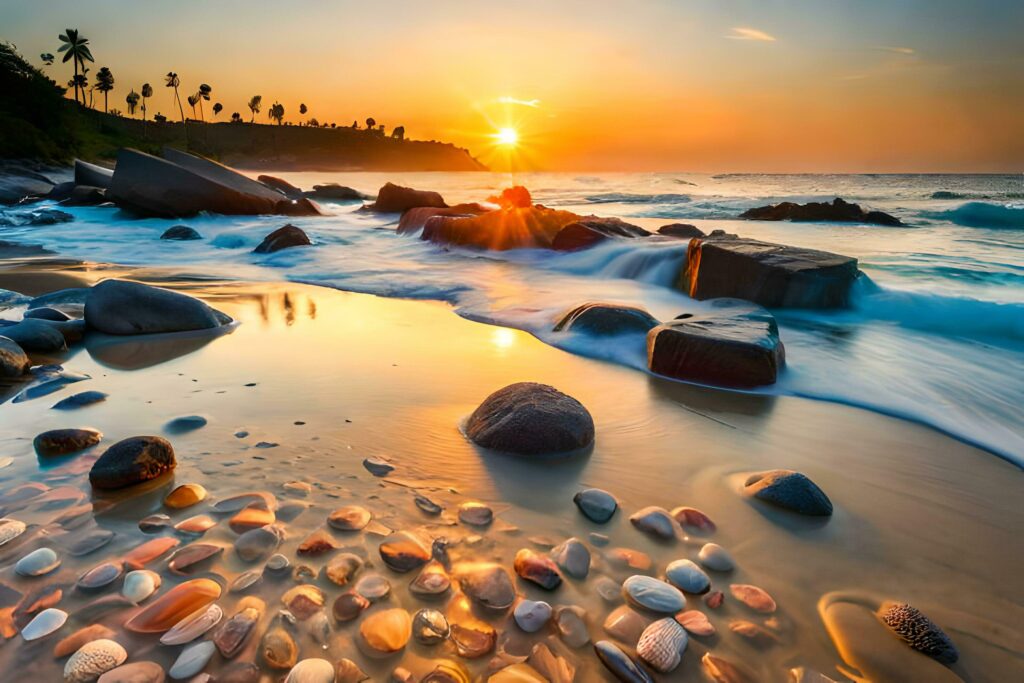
[
  {"x": 77, "y": 49},
  {"x": 236, "y": 117},
  {"x": 277, "y": 112},
  {"x": 79, "y": 82},
  {"x": 203, "y": 94},
  {"x": 147, "y": 91},
  {"x": 254, "y": 106},
  {"x": 172, "y": 81},
  {"x": 303, "y": 109},
  {"x": 192, "y": 99},
  {"x": 132, "y": 101},
  {"x": 47, "y": 59},
  {"x": 104, "y": 83},
  {"x": 217, "y": 107},
  {"x": 371, "y": 123}
]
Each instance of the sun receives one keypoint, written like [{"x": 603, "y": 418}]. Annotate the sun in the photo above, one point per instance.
[{"x": 508, "y": 137}]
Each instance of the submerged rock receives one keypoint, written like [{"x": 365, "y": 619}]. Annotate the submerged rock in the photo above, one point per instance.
[
  {"x": 134, "y": 672},
  {"x": 387, "y": 631},
  {"x": 655, "y": 521},
  {"x": 531, "y": 616},
  {"x": 537, "y": 569},
  {"x": 404, "y": 551},
  {"x": 185, "y": 495},
  {"x": 13, "y": 360},
  {"x": 283, "y": 238},
  {"x": 132, "y": 461},
  {"x": 192, "y": 660},
  {"x": 531, "y": 419},
  {"x": 43, "y": 624},
  {"x": 73, "y": 642},
  {"x": 602, "y": 319},
  {"x": 475, "y": 514},
  {"x": 281, "y": 185},
  {"x": 180, "y": 233},
  {"x": 349, "y": 518},
  {"x": 736, "y": 344},
  {"x": 654, "y": 595},
  {"x": 620, "y": 664},
  {"x": 687, "y": 576},
  {"x": 416, "y": 219},
  {"x": 572, "y": 557},
  {"x": 34, "y": 335},
  {"x": 716, "y": 558},
  {"x": 174, "y": 605},
  {"x": 64, "y": 441},
  {"x": 753, "y": 597},
  {"x": 919, "y": 632},
  {"x": 311, "y": 671},
  {"x": 126, "y": 307},
  {"x": 430, "y": 627},
  {"x": 790, "y": 490},
  {"x": 332, "y": 191},
  {"x": 393, "y": 198},
  {"x": 838, "y": 211},
  {"x": 37, "y": 563},
  {"x": 79, "y": 400},
  {"x": 596, "y": 505},
  {"x": 488, "y": 584}
]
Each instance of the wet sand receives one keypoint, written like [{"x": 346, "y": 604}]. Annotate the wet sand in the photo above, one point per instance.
[{"x": 337, "y": 377}]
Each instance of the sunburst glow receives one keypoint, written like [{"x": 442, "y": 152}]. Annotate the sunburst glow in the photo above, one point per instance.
[{"x": 507, "y": 136}]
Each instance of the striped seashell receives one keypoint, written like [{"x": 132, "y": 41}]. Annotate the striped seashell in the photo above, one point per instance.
[{"x": 662, "y": 643}]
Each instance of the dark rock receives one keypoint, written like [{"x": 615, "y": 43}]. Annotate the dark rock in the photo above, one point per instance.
[
  {"x": 601, "y": 319},
  {"x": 126, "y": 307},
  {"x": 61, "y": 191},
  {"x": 19, "y": 182},
  {"x": 838, "y": 211},
  {"x": 772, "y": 275},
  {"x": 92, "y": 175},
  {"x": 72, "y": 330},
  {"x": 529, "y": 419},
  {"x": 282, "y": 186},
  {"x": 186, "y": 423},
  {"x": 596, "y": 504},
  {"x": 620, "y": 664},
  {"x": 920, "y": 632},
  {"x": 85, "y": 195},
  {"x": 180, "y": 232},
  {"x": 47, "y": 313},
  {"x": 588, "y": 232},
  {"x": 790, "y": 490},
  {"x": 416, "y": 219},
  {"x": 335, "y": 192},
  {"x": 71, "y": 295},
  {"x": 534, "y": 227},
  {"x": 132, "y": 461},
  {"x": 80, "y": 400},
  {"x": 65, "y": 441},
  {"x": 681, "y": 230},
  {"x": 395, "y": 199},
  {"x": 35, "y": 335},
  {"x": 35, "y": 217},
  {"x": 13, "y": 361},
  {"x": 735, "y": 345},
  {"x": 283, "y": 238}
]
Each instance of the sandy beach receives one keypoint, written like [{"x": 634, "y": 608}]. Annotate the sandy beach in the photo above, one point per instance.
[{"x": 311, "y": 381}]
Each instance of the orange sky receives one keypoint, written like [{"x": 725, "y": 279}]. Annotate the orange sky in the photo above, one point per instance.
[{"x": 657, "y": 85}]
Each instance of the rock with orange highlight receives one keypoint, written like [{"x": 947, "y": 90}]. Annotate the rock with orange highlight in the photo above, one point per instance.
[
  {"x": 174, "y": 605},
  {"x": 395, "y": 199}
]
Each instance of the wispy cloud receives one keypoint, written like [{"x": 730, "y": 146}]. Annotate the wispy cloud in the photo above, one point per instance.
[
  {"x": 744, "y": 33},
  {"x": 896, "y": 50},
  {"x": 521, "y": 103}
]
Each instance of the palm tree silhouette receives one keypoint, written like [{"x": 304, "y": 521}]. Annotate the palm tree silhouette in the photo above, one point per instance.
[
  {"x": 47, "y": 59},
  {"x": 192, "y": 99},
  {"x": 254, "y": 106},
  {"x": 217, "y": 107},
  {"x": 104, "y": 83},
  {"x": 276, "y": 112},
  {"x": 371, "y": 123},
  {"x": 203, "y": 94},
  {"x": 132, "y": 100},
  {"x": 77, "y": 49},
  {"x": 172, "y": 81}
]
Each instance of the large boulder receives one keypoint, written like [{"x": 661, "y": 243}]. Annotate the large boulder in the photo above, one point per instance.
[
  {"x": 281, "y": 185},
  {"x": 531, "y": 419},
  {"x": 126, "y": 307},
  {"x": 283, "y": 238},
  {"x": 838, "y": 211},
  {"x": 335, "y": 192},
  {"x": 773, "y": 275},
  {"x": 602, "y": 319},
  {"x": 736, "y": 344},
  {"x": 132, "y": 461},
  {"x": 533, "y": 227},
  {"x": 92, "y": 175},
  {"x": 13, "y": 361},
  {"x": 589, "y": 231},
  {"x": 416, "y": 219},
  {"x": 19, "y": 182},
  {"x": 395, "y": 199},
  {"x": 35, "y": 335}
]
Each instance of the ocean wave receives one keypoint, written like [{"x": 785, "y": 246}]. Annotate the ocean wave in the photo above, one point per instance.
[
  {"x": 948, "y": 194},
  {"x": 982, "y": 215},
  {"x": 627, "y": 198}
]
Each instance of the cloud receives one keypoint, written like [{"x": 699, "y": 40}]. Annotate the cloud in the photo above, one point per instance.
[
  {"x": 743, "y": 33},
  {"x": 521, "y": 103},
  {"x": 895, "y": 50}
]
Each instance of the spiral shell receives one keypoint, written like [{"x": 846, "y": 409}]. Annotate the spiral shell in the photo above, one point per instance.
[{"x": 662, "y": 643}]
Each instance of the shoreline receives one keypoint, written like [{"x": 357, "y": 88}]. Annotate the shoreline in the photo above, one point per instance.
[{"x": 909, "y": 501}]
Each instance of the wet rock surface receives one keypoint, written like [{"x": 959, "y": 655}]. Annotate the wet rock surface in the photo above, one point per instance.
[
  {"x": 601, "y": 319},
  {"x": 132, "y": 461},
  {"x": 837, "y": 211},
  {"x": 284, "y": 237},
  {"x": 531, "y": 419},
  {"x": 124, "y": 307},
  {"x": 393, "y": 198},
  {"x": 790, "y": 490}
]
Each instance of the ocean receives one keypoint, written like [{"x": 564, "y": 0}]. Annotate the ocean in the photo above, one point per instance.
[{"x": 935, "y": 334}]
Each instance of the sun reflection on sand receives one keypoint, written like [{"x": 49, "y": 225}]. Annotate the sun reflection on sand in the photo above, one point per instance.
[{"x": 503, "y": 338}]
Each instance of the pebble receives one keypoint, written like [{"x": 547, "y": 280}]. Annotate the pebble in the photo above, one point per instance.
[
  {"x": 572, "y": 557},
  {"x": 80, "y": 400},
  {"x": 428, "y": 506},
  {"x": 487, "y": 584},
  {"x": 596, "y": 505},
  {"x": 626, "y": 624},
  {"x": 475, "y": 514},
  {"x": 342, "y": 568},
  {"x": 44, "y": 623},
  {"x": 652, "y": 594},
  {"x": 192, "y": 660},
  {"x": 196, "y": 525},
  {"x": 629, "y": 559},
  {"x": 140, "y": 584},
  {"x": 317, "y": 543},
  {"x": 192, "y": 556},
  {"x": 432, "y": 580},
  {"x": 723, "y": 671},
  {"x": 790, "y": 490},
  {"x": 135, "y": 672},
  {"x": 319, "y": 627},
  {"x": 258, "y": 543},
  {"x": 538, "y": 569},
  {"x": 303, "y": 600},
  {"x": 174, "y": 605},
  {"x": 754, "y": 634},
  {"x": 154, "y": 523},
  {"x": 93, "y": 659},
  {"x": 662, "y": 644},
  {"x": 386, "y": 631},
  {"x": 58, "y": 442},
  {"x": 572, "y": 625},
  {"x": 89, "y": 541},
  {"x": 753, "y": 597},
  {"x": 349, "y": 518},
  {"x": 714, "y": 599},
  {"x": 141, "y": 555},
  {"x": 251, "y": 517},
  {"x": 37, "y": 563},
  {"x": 349, "y": 606},
  {"x": 10, "y": 529},
  {"x": 278, "y": 649},
  {"x": 655, "y": 521},
  {"x": 373, "y": 587},
  {"x": 716, "y": 558},
  {"x": 185, "y": 496},
  {"x": 243, "y": 500},
  {"x": 687, "y": 576},
  {"x": 184, "y": 424},
  {"x": 311, "y": 671},
  {"x": 100, "y": 576},
  {"x": 600, "y": 540},
  {"x": 692, "y": 518},
  {"x": 473, "y": 641},
  {"x": 430, "y": 627},
  {"x": 404, "y": 551},
  {"x": 696, "y": 622},
  {"x": 233, "y": 633},
  {"x": 72, "y": 643},
  {"x": 378, "y": 467},
  {"x": 531, "y": 616},
  {"x": 620, "y": 664},
  {"x": 193, "y": 626}
]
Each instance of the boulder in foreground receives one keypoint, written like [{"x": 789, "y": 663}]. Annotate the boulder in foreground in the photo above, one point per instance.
[
  {"x": 531, "y": 419},
  {"x": 13, "y": 360},
  {"x": 132, "y": 461},
  {"x": 32, "y": 334},
  {"x": 126, "y": 307},
  {"x": 773, "y": 275},
  {"x": 735, "y": 345},
  {"x": 602, "y": 319},
  {"x": 395, "y": 199},
  {"x": 283, "y": 238},
  {"x": 838, "y": 211},
  {"x": 790, "y": 490}
]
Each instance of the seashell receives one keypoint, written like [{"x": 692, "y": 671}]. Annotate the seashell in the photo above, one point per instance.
[
  {"x": 723, "y": 671},
  {"x": 404, "y": 551},
  {"x": 245, "y": 581},
  {"x": 687, "y": 576},
  {"x": 430, "y": 627},
  {"x": 475, "y": 514},
  {"x": 620, "y": 664},
  {"x": 537, "y": 569},
  {"x": 135, "y": 672},
  {"x": 317, "y": 543},
  {"x": 252, "y": 517},
  {"x": 278, "y": 649},
  {"x": 154, "y": 523},
  {"x": 93, "y": 659},
  {"x": 661, "y": 644},
  {"x": 428, "y": 506},
  {"x": 348, "y": 671},
  {"x": 572, "y": 625},
  {"x": 257, "y": 543},
  {"x": 386, "y": 631},
  {"x": 373, "y": 587},
  {"x": 174, "y": 605},
  {"x": 596, "y": 505},
  {"x": 44, "y": 623},
  {"x": 487, "y": 584},
  {"x": 432, "y": 580},
  {"x": 302, "y": 573},
  {"x": 378, "y": 467},
  {"x": 192, "y": 660},
  {"x": 89, "y": 541},
  {"x": 196, "y": 525},
  {"x": 572, "y": 557},
  {"x": 753, "y": 597},
  {"x": 233, "y": 633},
  {"x": 716, "y": 558},
  {"x": 191, "y": 556},
  {"x": 531, "y": 616},
  {"x": 694, "y": 519},
  {"x": 755, "y": 635},
  {"x": 139, "y": 556},
  {"x": 695, "y": 622},
  {"x": 237, "y": 503},
  {"x": 303, "y": 601},
  {"x": 652, "y": 594},
  {"x": 475, "y": 641},
  {"x": 349, "y": 518},
  {"x": 627, "y": 558},
  {"x": 100, "y": 576},
  {"x": 550, "y": 666},
  {"x": 918, "y": 631},
  {"x": 342, "y": 568},
  {"x": 72, "y": 643},
  {"x": 447, "y": 671},
  {"x": 349, "y": 606},
  {"x": 311, "y": 671},
  {"x": 319, "y": 627},
  {"x": 193, "y": 626},
  {"x": 714, "y": 599},
  {"x": 38, "y": 562}
]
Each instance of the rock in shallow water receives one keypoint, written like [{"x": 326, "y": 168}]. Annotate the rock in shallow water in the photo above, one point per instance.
[
  {"x": 620, "y": 664},
  {"x": 404, "y": 551},
  {"x": 349, "y": 518},
  {"x": 537, "y": 569},
  {"x": 140, "y": 584},
  {"x": 531, "y": 419},
  {"x": 753, "y": 597},
  {"x": 185, "y": 495},
  {"x": 661, "y": 644},
  {"x": 429, "y": 627},
  {"x": 650, "y": 593},
  {"x": 475, "y": 514},
  {"x": 311, "y": 671},
  {"x": 184, "y": 424},
  {"x": 596, "y": 505},
  {"x": 13, "y": 360},
  {"x": 531, "y": 616},
  {"x": 488, "y": 584},
  {"x": 79, "y": 400},
  {"x": 387, "y": 631},
  {"x": 604, "y": 320},
  {"x": 193, "y": 626},
  {"x": 716, "y": 558},
  {"x": 572, "y": 557},
  {"x": 174, "y": 605},
  {"x": 655, "y": 521},
  {"x": 132, "y": 461},
  {"x": 44, "y": 623},
  {"x": 37, "y": 563},
  {"x": 134, "y": 672},
  {"x": 34, "y": 335},
  {"x": 919, "y": 632},
  {"x": 687, "y": 576},
  {"x": 125, "y": 307},
  {"x": 791, "y": 490},
  {"x": 10, "y": 529},
  {"x": 284, "y": 237},
  {"x": 180, "y": 233},
  {"x": 192, "y": 660}
]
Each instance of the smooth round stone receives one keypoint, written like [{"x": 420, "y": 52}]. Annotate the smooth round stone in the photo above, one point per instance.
[
  {"x": 373, "y": 587},
  {"x": 10, "y": 529},
  {"x": 753, "y": 597},
  {"x": 652, "y": 594},
  {"x": 244, "y": 581},
  {"x": 537, "y": 569},
  {"x": 342, "y": 568},
  {"x": 790, "y": 490},
  {"x": 191, "y": 556},
  {"x": 278, "y": 649},
  {"x": 193, "y": 626},
  {"x": 134, "y": 672},
  {"x": 596, "y": 505},
  {"x": 38, "y": 562},
  {"x": 531, "y": 616},
  {"x": 243, "y": 500},
  {"x": 80, "y": 400},
  {"x": 89, "y": 541},
  {"x": 572, "y": 625},
  {"x": 661, "y": 644},
  {"x": 184, "y": 424},
  {"x": 716, "y": 558},
  {"x": 386, "y": 631},
  {"x": 429, "y": 627},
  {"x": 92, "y": 660},
  {"x": 487, "y": 584},
  {"x": 428, "y": 506},
  {"x": 620, "y": 664},
  {"x": 65, "y": 441},
  {"x": 192, "y": 660},
  {"x": 378, "y": 467},
  {"x": 100, "y": 576},
  {"x": 432, "y": 580},
  {"x": 140, "y": 584},
  {"x": 687, "y": 576},
  {"x": 311, "y": 671},
  {"x": 44, "y": 623},
  {"x": 404, "y": 551},
  {"x": 196, "y": 525},
  {"x": 257, "y": 543},
  {"x": 154, "y": 523},
  {"x": 349, "y": 606},
  {"x": 185, "y": 496},
  {"x": 475, "y": 514},
  {"x": 278, "y": 565},
  {"x": 349, "y": 518},
  {"x": 141, "y": 555},
  {"x": 132, "y": 461},
  {"x": 251, "y": 517},
  {"x": 572, "y": 557},
  {"x": 527, "y": 418},
  {"x": 655, "y": 521},
  {"x": 626, "y": 624},
  {"x": 714, "y": 599}
]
